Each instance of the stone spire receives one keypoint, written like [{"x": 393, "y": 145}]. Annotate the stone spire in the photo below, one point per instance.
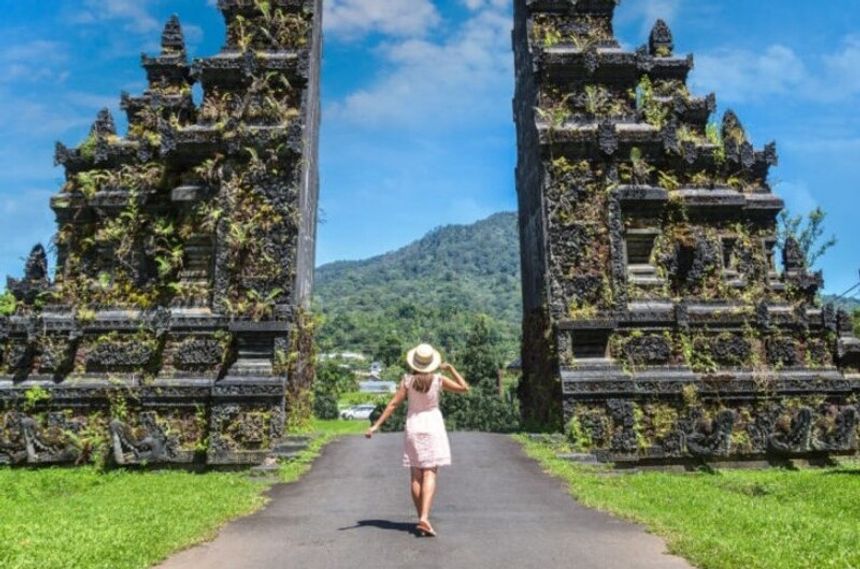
[
  {"x": 172, "y": 38},
  {"x": 104, "y": 124},
  {"x": 660, "y": 44}
]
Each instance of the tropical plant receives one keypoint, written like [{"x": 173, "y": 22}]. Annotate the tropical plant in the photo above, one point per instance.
[
  {"x": 808, "y": 231},
  {"x": 8, "y": 304}
]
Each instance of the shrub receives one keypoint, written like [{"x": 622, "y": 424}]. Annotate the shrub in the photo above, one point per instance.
[{"x": 325, "y": 406}]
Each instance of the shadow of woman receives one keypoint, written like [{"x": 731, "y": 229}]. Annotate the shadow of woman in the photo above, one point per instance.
[{"x": 383, "y": 524}]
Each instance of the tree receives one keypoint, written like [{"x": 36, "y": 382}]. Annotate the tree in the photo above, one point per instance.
[
  {"x": 390, "y": 349},
  {"x": 808, "y": 233},
  {"x": 481, "y": 358},
  {"x": 857, "y": 322},
  {"x": 334, "y": 379}
]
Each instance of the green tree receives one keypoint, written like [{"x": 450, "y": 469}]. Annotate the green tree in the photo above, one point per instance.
[
  {"x": 334, "y": 379},
  {"x": 481, "y": 357},
  {"x": 807, "y": 231},
  {"x": 390, "y": 349},
  {"x": 857, "y": 322}
]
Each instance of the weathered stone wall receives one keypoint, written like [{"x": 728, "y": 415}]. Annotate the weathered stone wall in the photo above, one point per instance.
[
  {"x": 185, "y": 253},
  {"x": 670, "y": 333}
]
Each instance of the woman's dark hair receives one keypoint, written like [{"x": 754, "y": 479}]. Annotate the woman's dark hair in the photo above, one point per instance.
[{"x": 421, "y": 382}]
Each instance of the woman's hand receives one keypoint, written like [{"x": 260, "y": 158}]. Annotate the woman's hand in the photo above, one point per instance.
[
  {"x": 370, "y": 431},
  {"x": 445, "y": 366}
]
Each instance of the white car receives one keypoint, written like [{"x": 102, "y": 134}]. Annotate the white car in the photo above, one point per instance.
[{"x": 362, "y": 412}]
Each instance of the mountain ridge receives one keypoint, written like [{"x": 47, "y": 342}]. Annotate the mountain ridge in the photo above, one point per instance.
[{"x": 430, "y": 289}]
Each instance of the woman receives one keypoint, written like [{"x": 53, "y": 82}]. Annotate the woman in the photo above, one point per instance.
[{"x": 425, "y": 446}]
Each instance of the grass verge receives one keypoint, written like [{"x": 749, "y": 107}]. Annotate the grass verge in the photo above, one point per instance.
[
  {"x": 86, "y": 519},
  {"x": 775, "y": 519}
]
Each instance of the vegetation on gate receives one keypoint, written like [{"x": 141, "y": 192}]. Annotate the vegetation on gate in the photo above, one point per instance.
[{"x": 775, "y": 519}]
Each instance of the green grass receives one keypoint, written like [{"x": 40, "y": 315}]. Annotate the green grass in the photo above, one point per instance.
[
  {"x": 325, "y": 431},
  {"x": 86, "y": 519},
  {"x": 82, "y": 518},
  {"x": 775, "y": 518}
]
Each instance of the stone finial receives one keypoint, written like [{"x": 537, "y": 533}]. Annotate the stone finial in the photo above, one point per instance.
[
  {"x": 35, "y": 279},
  {"x": 793, "y": 258},
  {"x": 172, "y": 38},
  {"x": 36, "y": 267},
  {"x": 104, "y": 125},
  {"x": 733, "y": 129},
  {"x": 661, "y": 44}
]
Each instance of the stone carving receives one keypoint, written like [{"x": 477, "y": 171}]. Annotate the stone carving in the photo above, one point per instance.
[
  {"x": 146, "y": 444},
  {"x": 171, "y": 236},
  {"x": 198, "y": 353},
  {"x": 696, "y": 317},
  {"x": 839, "y": 431},
  {"x": 35, "y": 281},
  {"x": 794, "y": 434},
  {"x": 660, "y": 42},
  {"x": 710, "y": 437}
]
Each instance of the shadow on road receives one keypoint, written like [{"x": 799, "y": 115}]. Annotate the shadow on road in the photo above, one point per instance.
[{"x": 383, "y": 524}]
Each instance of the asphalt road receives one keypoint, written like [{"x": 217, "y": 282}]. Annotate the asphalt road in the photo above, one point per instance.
[{"x": 494, "y": 509}]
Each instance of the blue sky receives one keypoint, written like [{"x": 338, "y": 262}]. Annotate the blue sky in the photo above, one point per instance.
[{"x": 417, "y": 125}]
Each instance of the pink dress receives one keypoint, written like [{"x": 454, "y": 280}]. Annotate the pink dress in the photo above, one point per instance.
[{"x": 425, "y": 443}]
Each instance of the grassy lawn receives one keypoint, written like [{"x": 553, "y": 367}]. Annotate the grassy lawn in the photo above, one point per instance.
[
  {"x": 735, "y": 518},
  {"x": 86, "y": 519}
]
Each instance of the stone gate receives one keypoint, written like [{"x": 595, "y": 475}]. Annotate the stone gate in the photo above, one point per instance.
[
  {"x": 657, "y": 325},
  {"x": 185, "y": 257}
]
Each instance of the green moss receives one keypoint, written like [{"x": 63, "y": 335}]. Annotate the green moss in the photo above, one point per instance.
[
  {"x": 35, "y": 396},
  {"x": 87, "y": 148},
  {"x": 8, "y": 304},
  {"x": 580, "y": 440}
]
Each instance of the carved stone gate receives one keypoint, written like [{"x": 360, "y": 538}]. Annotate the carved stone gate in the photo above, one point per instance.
[
  {"x": 657, "y": 325},
  {"x": 185, "y": 257}
]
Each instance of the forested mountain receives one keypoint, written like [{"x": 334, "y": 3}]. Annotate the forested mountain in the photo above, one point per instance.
[{"x": 430, "y": 290}]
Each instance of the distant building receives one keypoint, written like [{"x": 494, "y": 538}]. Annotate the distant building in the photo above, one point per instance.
[
  {"x": 376, "y": 385},
  {"x": 353, "y": 356}
]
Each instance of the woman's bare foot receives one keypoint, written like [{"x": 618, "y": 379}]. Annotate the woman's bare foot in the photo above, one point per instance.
[{"x": 426, "y": 529}]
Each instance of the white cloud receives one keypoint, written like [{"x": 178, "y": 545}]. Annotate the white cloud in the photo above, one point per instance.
[
  {"x": 797, "y": 195},
  {"x": 439, "y": 83},
  {"x": 37, "y": 60},
  {"x": 843, "y": 67},
  {"x": 740, "y": 75},
  {"x": 648, "y": 12},
  {"x": 352, "y": 19},
  {"x": 134, "y": 13}
]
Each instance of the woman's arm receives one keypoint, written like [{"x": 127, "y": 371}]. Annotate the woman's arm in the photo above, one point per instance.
[
  {"x": 458, "y": 384},
  {"x": 389, "y": 409}
]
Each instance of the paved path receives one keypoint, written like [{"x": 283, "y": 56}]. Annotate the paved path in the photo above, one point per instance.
[{"x": 494, "y": 509}]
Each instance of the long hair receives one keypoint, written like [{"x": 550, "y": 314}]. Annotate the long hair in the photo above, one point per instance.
[{"x": 421, "y": 382}]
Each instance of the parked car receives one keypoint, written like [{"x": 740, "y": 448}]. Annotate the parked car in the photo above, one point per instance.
[{"x": 358, "y": 412}]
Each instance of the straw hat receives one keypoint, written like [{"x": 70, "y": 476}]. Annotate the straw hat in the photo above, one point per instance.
[{"x": 423, "y": 358}]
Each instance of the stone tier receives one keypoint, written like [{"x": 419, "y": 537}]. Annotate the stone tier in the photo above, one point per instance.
[
  {"x": 180, "y": 105},
  {"x": 604, "y": 8},
  {"x": 233, "y": 8},
  {"x": 609, "y": 66},
  {"x": 236, "y": 69},
  {"x": 599, "y": 139}
]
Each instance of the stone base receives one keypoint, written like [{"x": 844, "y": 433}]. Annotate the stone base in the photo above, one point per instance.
[
  {"x": 187, "y": 421},
  {"x": 665, "y": 416}
]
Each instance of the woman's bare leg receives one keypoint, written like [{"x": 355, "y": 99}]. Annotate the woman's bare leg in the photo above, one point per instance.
[
  {"x": 415, "y": 487},
  {"x": 428, "y": 492}
]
